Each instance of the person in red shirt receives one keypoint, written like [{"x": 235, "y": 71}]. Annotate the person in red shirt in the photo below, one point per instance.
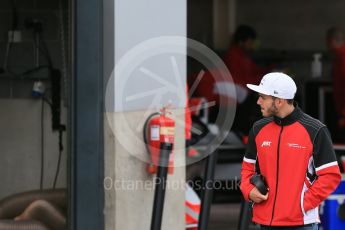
[
  {"x": 335, "y": 42},
  {"x": 244, "y": 70},
  {"x": 238, "y": 59},
  {"x": 293, "y": 155}
]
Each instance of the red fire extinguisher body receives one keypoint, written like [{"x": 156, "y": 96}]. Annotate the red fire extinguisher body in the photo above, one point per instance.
[{"x": 160, "y": 129}]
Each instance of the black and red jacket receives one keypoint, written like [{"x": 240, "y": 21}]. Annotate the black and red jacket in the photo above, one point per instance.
[{"x": 296, "y": 157}]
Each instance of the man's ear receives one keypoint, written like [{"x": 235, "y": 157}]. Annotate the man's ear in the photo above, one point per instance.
[{"x": 280, "y": 102}]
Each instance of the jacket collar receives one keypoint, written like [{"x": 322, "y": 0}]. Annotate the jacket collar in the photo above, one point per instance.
[{"x": 291, "y": 118}]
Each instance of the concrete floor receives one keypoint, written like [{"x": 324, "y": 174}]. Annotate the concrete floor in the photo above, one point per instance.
[{"x": 225, "y": 217}]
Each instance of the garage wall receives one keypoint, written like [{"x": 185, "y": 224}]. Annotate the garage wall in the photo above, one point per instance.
[
  {"x": 20, "y": 113},
  {"x": 20, "y": 141}
]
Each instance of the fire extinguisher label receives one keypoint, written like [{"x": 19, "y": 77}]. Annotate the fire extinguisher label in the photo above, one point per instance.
[
  {"x": 155, "y": 133},
  {"x": 167, "y": 130}
]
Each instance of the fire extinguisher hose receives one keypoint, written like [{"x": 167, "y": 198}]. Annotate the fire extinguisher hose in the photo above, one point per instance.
[{"x": 145, "y": 132}]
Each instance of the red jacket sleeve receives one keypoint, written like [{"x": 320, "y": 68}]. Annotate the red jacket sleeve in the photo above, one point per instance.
[
  {"x": 188, "y": 118},
  {"x": 248, "y": 166},
  {"x": 327, "y": 181},
  {"x": 327, "y": 171}
]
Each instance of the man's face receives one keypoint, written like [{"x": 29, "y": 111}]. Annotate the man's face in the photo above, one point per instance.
[
  {"x": 267, "y": 105},
  {"x": 248, "y": 45},
  {"x": 331, "y": 44},
  {"x": 334, "y": 43}
]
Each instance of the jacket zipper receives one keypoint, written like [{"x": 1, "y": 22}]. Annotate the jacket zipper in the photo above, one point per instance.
[{"x": 275, "y": 197}]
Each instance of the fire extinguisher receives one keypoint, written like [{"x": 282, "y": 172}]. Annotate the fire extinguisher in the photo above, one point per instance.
[
  {"x": 159, "y": 133},
  {"x": 159, "y": 129}
]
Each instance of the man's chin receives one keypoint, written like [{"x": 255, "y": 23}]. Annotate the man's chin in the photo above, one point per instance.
[{"x": 265, "y": 114}]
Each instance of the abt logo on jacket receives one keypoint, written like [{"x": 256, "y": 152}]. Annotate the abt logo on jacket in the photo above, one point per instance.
[{"x": 266, "y": 144}]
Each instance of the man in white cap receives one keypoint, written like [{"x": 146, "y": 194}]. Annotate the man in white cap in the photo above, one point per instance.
[{"x": 293, "y": 153}]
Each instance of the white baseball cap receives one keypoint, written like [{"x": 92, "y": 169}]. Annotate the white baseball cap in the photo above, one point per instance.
[{"x": 277, "y": 85}]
